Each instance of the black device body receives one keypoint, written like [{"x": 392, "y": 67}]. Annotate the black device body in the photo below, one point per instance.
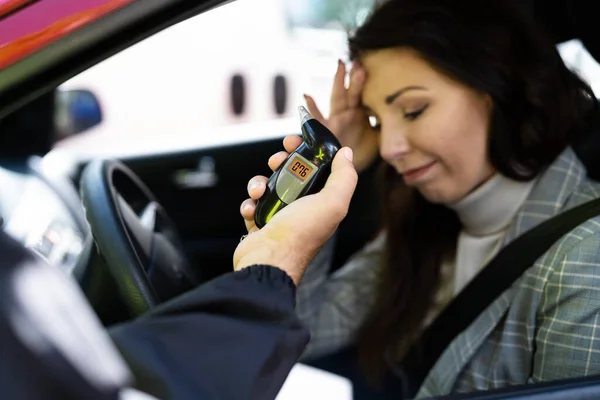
[{"x": 304, "y": 172}]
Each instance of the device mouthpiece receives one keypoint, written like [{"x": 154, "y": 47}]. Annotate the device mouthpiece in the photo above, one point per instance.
[{"x": 304, "y": 115}]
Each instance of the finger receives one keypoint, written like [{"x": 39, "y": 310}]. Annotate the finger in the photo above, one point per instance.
[
  {"x": 250, "y": 225},
  {"x": 341, "y": 183},
  {"x": 277, "y": 159},
  {"x": 339, "y": 98},
  {"x": 291, "y": 142},
  {"x": 357, "y": 82},
  {"x": 257, "y": 186},
  {"x": 313, "y": 109},
  {"x": 247, "y": 209}
]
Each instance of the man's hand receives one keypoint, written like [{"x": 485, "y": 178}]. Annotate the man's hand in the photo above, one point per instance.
[{"x": 296, "y": 233}]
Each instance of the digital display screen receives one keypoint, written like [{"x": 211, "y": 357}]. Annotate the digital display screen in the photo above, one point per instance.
[{"x": 300, "y": 169}]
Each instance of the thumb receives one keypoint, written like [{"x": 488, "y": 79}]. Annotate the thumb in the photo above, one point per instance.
[{"x": 342, "y": 181}]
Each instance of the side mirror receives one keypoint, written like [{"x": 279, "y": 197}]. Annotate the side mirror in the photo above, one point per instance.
[{"x": 76, "y": 112}]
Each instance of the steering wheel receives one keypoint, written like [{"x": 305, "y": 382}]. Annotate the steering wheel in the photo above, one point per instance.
[{"x": 135, "y": 235}]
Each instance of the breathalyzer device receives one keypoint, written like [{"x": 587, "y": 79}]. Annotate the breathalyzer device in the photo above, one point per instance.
[{"x": 304, "y": 172}]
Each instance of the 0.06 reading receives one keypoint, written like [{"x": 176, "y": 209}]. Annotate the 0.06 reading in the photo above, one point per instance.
[{"x": 299, "y": 169}]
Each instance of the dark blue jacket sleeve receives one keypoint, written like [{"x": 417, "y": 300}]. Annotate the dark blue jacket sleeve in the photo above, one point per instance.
[{"x": 236, "y": 337}]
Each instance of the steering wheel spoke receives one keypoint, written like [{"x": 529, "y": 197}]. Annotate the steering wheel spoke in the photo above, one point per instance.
[
  {"x": 140, "y": 228},
  {"x": 148, "y": 216}
]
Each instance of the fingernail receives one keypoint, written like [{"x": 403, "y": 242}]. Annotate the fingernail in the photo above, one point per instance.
[
  {"x": 252, "y": 186},
  {"x": 348, "y": 153}
]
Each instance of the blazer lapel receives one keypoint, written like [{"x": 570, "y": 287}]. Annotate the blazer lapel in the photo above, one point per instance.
[{"x": 546, "y": 199}]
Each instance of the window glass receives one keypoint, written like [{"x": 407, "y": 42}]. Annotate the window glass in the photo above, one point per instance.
[{"x": 221, "y": 77}]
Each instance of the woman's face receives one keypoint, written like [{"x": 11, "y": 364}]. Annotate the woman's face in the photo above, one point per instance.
[{"x": 434, "y": 130}]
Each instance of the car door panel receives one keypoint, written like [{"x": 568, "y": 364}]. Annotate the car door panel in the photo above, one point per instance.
[{"x": 202, "y": 191}]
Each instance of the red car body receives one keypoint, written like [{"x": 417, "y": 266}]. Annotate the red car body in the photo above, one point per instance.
[{"x": 27, "y": 26}]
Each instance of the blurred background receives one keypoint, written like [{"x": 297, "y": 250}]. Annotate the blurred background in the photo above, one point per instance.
[{"x": 208, "y": 81}]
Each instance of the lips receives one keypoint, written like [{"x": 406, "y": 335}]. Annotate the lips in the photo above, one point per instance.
[{"x": 414, "y": 174}]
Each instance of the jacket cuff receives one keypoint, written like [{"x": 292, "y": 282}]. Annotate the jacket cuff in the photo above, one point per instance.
[{"x": 274, "y": 277}]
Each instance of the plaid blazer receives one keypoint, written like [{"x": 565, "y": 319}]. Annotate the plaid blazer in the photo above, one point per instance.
[{"x": 545, "y": 327}]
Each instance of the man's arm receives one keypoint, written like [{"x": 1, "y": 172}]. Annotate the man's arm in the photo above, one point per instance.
[{"x": 236, "y": 337}]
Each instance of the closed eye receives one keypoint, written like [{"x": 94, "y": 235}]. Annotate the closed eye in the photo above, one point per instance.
[{"x": 415, "y": 114}]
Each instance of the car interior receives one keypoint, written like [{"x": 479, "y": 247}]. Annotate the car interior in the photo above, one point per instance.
[{"x": 130, "y": 234}]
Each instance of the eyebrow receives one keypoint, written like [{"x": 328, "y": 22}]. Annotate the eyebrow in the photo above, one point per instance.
[{"x": 390, "y": 99}]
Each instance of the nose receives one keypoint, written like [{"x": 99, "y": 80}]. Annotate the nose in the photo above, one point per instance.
[{"x": 393, "y": 143}]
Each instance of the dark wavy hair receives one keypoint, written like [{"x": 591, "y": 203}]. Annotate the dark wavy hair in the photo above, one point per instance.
[{"x": 539, "y": 106}]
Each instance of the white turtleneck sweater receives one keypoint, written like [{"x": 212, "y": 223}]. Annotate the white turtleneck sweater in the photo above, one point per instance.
[{"x": 485, "y": 215}]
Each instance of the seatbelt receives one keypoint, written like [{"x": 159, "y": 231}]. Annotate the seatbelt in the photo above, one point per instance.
[{"x": 496, "y": 277}]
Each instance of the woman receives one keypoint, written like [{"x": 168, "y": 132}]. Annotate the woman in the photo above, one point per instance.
[{"x": 474, "y": 115}]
